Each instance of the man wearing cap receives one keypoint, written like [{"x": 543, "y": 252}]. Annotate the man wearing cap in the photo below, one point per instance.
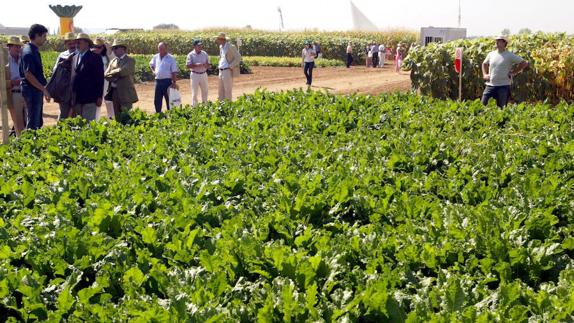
[
  {"x": 14, "y": 83},
  {"x": 33, "y": 79},
  {"x": 497, "y": 70},
  {"x": 88, "y": 83},
  {"x": 198, "y": 63},
  {"x": 70, "y": 43},
  {"x": 164, "y": 68},
  {"x": 120, "y": 73},
  {"x": 229, "y": 61}
]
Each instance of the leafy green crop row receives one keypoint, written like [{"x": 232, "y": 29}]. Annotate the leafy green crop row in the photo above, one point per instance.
[
  {"x": 293, "y": 207},
  {"x": 257, "y": 43},
  {"x": 550, "y": 76}
]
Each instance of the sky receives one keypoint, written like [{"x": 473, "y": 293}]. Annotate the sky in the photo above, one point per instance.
[{"x": 481, "y": 18}]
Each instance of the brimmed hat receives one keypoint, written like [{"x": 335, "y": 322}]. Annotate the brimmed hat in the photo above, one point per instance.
[
  {"x": 69, "y": 36},
  {"x": 100, "y": 42},
  {"x": 502, "y": 37},
  {"x": 15, "y": 40},
  {"x": 86, "y": 37},
  {"x": 222, "y": 36},
  {"x": 197, "y": 42},
  {"x": 24, "y": 39},
  {"x": 119, "y": 43}
]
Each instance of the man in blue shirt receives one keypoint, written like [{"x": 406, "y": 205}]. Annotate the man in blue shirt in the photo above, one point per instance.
[{"x": 33, "y": 80}]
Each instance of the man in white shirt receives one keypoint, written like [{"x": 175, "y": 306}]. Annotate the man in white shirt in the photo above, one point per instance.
[
  {"x": 70, "y": 43},
  {"x": 164, "y": 68},
  {"x": 229, "y": 61},
  {"x": 497, "y": 70},
  {"x": 198, "y": 63},
  {"x": 16, "y": 103}
]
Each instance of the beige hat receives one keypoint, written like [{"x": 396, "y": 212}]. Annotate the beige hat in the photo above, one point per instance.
[
  {"x": 502, "y": 37},
  {"x": 222, "y": 36},
  {"x": 69, "y": 36},
  {"x": 24, "y": 39},
  {"x": 86, "y": 37},
  {"x": 15, "y": 40},
  {"x": 119, "y": 43},
  {"x": 100, "y": 42}
]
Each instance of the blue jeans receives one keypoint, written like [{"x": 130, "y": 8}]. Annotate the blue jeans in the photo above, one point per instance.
[
  {"x": 500, "y": 93},
  {"x": 309, "y": 72},
  {"x": 161, "y": 92},
  {"x": 34, "y": 108}
]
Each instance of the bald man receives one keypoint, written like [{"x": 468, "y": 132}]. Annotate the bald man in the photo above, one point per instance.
[{"x": 164, "y": 68}]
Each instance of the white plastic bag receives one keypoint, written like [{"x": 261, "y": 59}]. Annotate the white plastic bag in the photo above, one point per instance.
[{"x": 174, "y": 98}]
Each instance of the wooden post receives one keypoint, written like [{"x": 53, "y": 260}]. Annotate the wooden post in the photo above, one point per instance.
[
  {"x": 4, "y": 93},
  {"x": 460, "y": 84}
]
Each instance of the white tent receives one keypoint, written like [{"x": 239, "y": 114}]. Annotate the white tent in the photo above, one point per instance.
[{"x": 360, "y": 20}]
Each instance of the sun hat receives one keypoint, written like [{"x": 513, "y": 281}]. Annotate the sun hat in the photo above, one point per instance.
[
  {"x": 119, "y": 43},
  {"x": 15, "y": 40}
]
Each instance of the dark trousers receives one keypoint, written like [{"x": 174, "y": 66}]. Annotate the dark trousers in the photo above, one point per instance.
[
  {"x": 34, "y": 107},
  {"x": 500, "y": 93},
  {"x": 161, "y": 92},
  {"x": 349, "y": 60},
  {"x": 308, "y": 70},
  {"x": 375, "y": 59}
]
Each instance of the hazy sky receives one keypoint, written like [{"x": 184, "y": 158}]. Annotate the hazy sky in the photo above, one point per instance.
[{"x": 486, "y": 17}]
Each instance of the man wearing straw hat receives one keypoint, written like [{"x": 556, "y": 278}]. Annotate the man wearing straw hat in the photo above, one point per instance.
[
  {"x": 120, "y": 73},
  {"x": 88, "y": 83},
  {"x": 14, "y": 82},
  {"x": 198, "y": 63},
  {"x": 229, "y": 61},
  {"x": 497, "y": 70},
  {"x": 70, "y": 43}
]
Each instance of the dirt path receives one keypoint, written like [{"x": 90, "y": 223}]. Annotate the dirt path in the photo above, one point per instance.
[{"x": 336, "y": 80}]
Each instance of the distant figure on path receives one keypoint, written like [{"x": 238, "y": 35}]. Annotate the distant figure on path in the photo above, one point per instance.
[{"x": 308, "y": 55}]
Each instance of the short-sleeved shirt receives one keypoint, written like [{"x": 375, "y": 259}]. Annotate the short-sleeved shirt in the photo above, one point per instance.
[
  {"x": 375, "y": 49},
  {"x": 308, "y": 55},
  {"x": 31, "y": 62},
  {"x": 223, "y": 63},
  {"x": 349, "y": 49},
  {"x": 500, "y": 66},
  {"x": 14, "y": 65},
  {"x": 195, "y": 58},
  {"x": 164, "y": 67},
  {"x": 381, "y": 48}
]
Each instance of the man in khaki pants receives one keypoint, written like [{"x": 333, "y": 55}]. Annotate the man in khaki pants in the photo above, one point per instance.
[
  {"x": 198, "y": 63},
  {"x": 229, "y": 60},
  {"x": 16, "y": 103},
  {"x": 121, "y": 74}
]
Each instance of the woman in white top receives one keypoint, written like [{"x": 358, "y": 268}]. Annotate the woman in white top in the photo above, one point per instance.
[
  {"x": 100, "y": 48},
  {"x": 309, "y": 55}
]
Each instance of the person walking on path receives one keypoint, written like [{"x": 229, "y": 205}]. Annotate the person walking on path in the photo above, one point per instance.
[
  {"x": 120, "y": 73},
  {"x": 164, "y": 68},
  {"x": 498, "y": 69},
  {"x": 229, "y": 66},
  {"x": 399, "y": 56},
  {"x": 198, "y": 63},
  {"x": 33, "y": 79},
  {"x": 349, "y": 55},
  {"x": 317, "y": 48},
  {"x": 88, "y": 83},
  {"x": 101, "y": 49},
  {"x": 308, "y": 56},
  {"x": 14, "y": 82}
]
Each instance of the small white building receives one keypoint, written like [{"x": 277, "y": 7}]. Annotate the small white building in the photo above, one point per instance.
[
  {"x": 13, "y": 31},
  {"x": 441, "y": 34}
]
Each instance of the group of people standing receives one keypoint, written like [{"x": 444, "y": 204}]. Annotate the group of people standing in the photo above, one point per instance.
[{"x": 90, "y": 74}]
